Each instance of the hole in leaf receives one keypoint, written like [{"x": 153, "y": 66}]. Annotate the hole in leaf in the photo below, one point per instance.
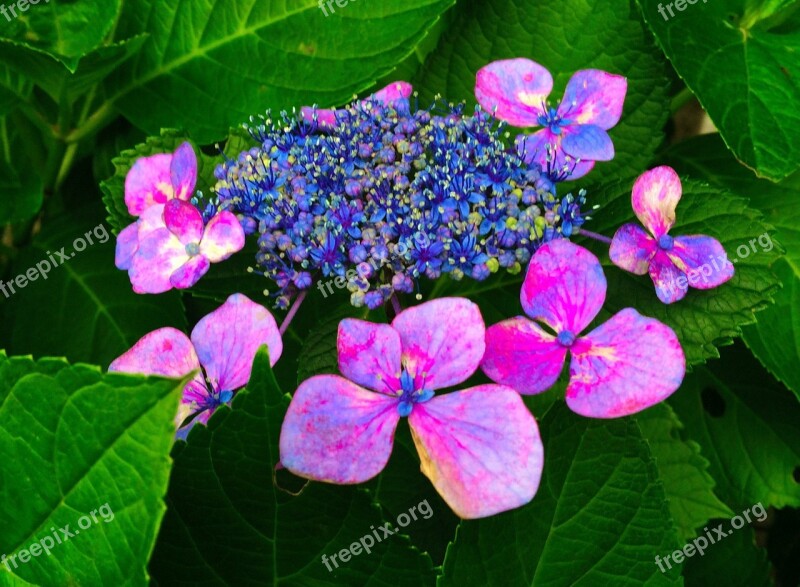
[
  {"x": 287, "y": 481},
  {"x": 713, "y": 403}
]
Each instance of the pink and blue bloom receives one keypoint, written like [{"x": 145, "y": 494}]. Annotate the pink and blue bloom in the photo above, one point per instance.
[
  {"x": 480, "y": 447},
  {"x": 674, "y": 263},
  {"x": 627, "y": 364},
  {"x": 221, "y": 352},
  {"x": 573, "y": 135}
]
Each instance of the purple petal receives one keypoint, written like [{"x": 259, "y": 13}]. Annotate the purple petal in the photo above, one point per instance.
[
  {"x": 655, "y": 196},
  {"x": 369, "y": 354},
  {"x": 127, "y": 245},
  {"x": 565, "y": 287},
  {"x": 183, "y": 171},
  {"x": 160, "y": 254},
  {"x": 184, "y": 221},
  {"x": 703, "y": 259},
  {"x": 671, "y": 283},
  {"x": 338, "y": 432},
  {"x": 480, "y": 448},
  {"x": 167, "y": 352},
  {"x": 632, "y": 248},
  {"x": 148, "y": 182},
  {"x": 228, "y": 338},
  {"x": 443, "y": 341},
  {"x": 624, "y": 366},
  {"x": 190, "y": 272},
  {"x": 223, "y": 237},
  {"x": 545, "y": 149},
  {"x": 326, "y": 119},
  {"x": 514, "y": 90},
  {"x": 594, "y": 97},
  {"x": 522, "y": 355},
  {"x": 587, "y": 142}
]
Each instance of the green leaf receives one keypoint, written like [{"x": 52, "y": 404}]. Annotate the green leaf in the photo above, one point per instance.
[
  {"x": 14, "y": 88},
  {"x": 74, "y": 441},
  {"x": 599, "y": 517},
  {"x": 683, "y": 470},
  {"x": 746, "y": 424},
  {"x": 734, "y": 561},
  {"x": 564, "y": 36},
  {"x": 228, "y": 523},
  {"x": 774, "y": 339},
  {"x": 257, "y": 55},
  {"x": 83, "y": 307},
  {"x": 740, "y": 58},
  {"x": 21, "y": 187},
  {"x": 704, "y": 319}
]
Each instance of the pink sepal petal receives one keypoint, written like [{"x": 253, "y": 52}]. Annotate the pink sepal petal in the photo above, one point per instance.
[
  {"x": 184, "y": 221},
  {"x": 522, "y": 355},
  {"x": 627, "y": 364},
  {"x": 160, "y": 254},
  {"x": 190, "y": 272},
  {"x": 670, "y": 281},
  {"x": 480, "y": 448},
  {"x": 703, "y": 259},
  {"x": 393, "y": 93},
  {"x": 228, "y": 338},
  {"x": 514, "y": 90},
  {"x": 656, "y": 194},
  {"x": 632, "y": 248},
  {"x": 223, "y": 237},
  {"x": 564, "y": 287},
  {"x": 167, "y": 352},
  {"x": 127, "y": 245},
  {"x": 587, "y": 142},
  {"x": 370, "y": 354},
  {"x": 148, "y": 182},
  {"x": 594, "y": 97},
  {"x": 443, "y": 341},
  {"x": 183, "y": 171},
  {"x": 337, "y": 432},
  {"x": 326, "y": 118}
]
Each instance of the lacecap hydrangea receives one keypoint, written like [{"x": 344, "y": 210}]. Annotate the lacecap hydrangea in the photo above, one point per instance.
[{"x": 393, "y": 192}]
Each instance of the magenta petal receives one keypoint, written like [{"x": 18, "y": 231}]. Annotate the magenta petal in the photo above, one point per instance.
[
  {"x": 587, "y": 142},
  {"x": 656, "y": 194},
  {"x": 514, "y": 90},
  {"x": 228, "y": 338},
  {"x": 190, "y": 272},
  {"x": 167, "y": 352},
  {"x": 625, "y": 365},
  {"x": 326, "y": 119},
  {"x": 522, "y": 355},
  {"x": 183, "y": 171},
  {"x": 443, "y": 341},
  {"x": 703, "y": 259},
  {"x": 565, "y": 286},
  {"x": 148, "y": 182},
  {"x": 632, "y": 248},
  {"x": 369, "y": 354},
  {"x": 480, "y": 448},
  {"x": 670, "y": 281},
  {"x": 393, "y": 93},
  {"x": 338, "y": 432},
  {"x": 594, "y": 97},
  {"x": 184, "y": 221},
  {"x": 127, "y": 245},
  {"x": 160, "y": 254},
  {"x": 223, "y": 237}
]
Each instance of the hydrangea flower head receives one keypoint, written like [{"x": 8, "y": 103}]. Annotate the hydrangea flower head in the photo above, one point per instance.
[
  {"x": 160, "y": 178},
  {"x": 573, "y": 135},
  {"x": 221, "y": 349},
  {"x": 623, "y": 366},
  {"x": 173, "y": 248},
  {"x": 480, "y": 447},
  {"x": 667, "y": 259},
  {"x": 408, "y": 193}
]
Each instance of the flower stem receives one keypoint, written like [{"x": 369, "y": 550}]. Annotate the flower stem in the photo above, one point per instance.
[
  {"x": 292, "y": 311},
  {"x": 595, "y": 236}
]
